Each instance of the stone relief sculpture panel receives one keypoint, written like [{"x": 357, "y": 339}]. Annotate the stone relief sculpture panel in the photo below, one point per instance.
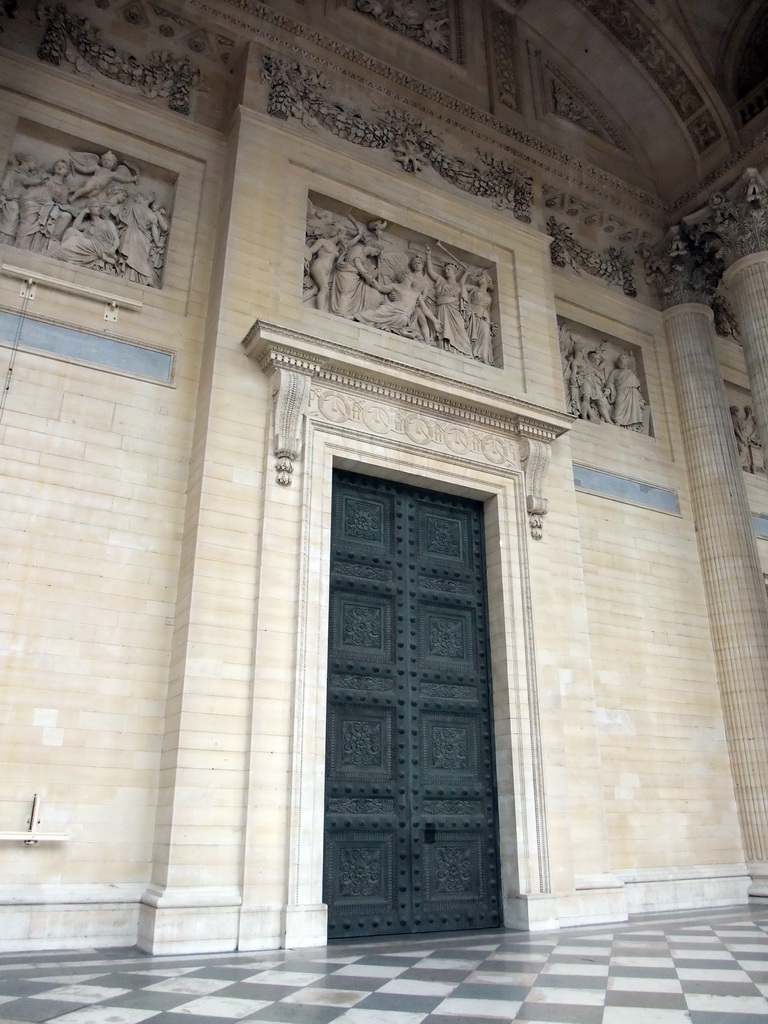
[
  {"x": 603, "y": 379},
  {"x": 748, "y": 442},
  {"x": 88, "y": 207},
  {"x": 360, "y": 267}
]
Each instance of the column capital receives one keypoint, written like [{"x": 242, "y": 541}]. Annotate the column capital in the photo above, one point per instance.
[
  {"x": 739, "y": 217},
  {"x": 685, "y": 267}
]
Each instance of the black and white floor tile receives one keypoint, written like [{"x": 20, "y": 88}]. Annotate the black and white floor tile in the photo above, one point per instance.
[{"x": 702, "y": 967}]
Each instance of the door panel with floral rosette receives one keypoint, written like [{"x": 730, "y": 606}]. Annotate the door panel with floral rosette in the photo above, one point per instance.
[{"x": 410, "y": 810}]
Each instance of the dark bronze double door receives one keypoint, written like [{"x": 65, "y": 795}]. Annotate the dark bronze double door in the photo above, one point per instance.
[{"x": 410, "y": 827}]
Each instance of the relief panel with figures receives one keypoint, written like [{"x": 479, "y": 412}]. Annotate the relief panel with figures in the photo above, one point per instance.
[
  {"x": 360, "y": 267},
  {"x": 85, "y": 206},
  {"x": 603, "y": 379}
]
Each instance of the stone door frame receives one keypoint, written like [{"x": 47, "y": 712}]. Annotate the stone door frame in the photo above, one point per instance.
[{"x": 326, "y": 417}]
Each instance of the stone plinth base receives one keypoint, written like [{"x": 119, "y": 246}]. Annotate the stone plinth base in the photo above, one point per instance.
[
  {"x": 654, "y": 890},
  {"x": 67, "y": 917},
  {"x": 758, "y": 886},
  {"x": 261, "y": 927},
  {"x": 188, "y": 920},
  {"x": 305, "y": 926}
]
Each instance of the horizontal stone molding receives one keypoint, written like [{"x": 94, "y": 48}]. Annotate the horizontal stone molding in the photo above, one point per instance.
[
  {"x": 70, "y": 895},
  {"x": 187, "y": 896}
]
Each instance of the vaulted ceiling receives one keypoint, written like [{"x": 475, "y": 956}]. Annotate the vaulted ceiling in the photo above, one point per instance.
[{"x": 683, "y": 82}]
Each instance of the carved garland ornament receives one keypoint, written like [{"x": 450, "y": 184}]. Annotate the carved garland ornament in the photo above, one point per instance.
[
  {"x": 298, "y": 91},
  {"x": 68, "y": 37},
  {"x": 613, "y": 264}
]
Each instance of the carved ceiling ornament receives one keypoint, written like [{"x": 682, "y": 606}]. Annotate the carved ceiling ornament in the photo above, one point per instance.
[
  {"x": 315, "y": 378},
  {"x": 571, "y": 104},
  {"x": 394, "y": 281},
  {"x": 427, "y": 22},
  {"x": 504, "y": 49},
  {"x": 752, "y": 68},
  {"x": 633, "y": 31},
  {"x": 298, "y": 91},
  {"x": 613, "y": 265},
  {"x": 307, "y": 42},
  {"x": 70, "y": 38}
]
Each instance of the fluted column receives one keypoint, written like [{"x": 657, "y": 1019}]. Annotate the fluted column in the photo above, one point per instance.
[
  {"x": 740, "y": 219},
  {"x": 747, "y": 282},
  {"x": 732, "y": 576}
]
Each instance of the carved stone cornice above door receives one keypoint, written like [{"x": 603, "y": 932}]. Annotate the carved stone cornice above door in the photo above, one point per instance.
[{"x": 391, "y": 403}]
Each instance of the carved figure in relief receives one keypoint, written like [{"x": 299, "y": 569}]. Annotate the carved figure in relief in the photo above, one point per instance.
[
  {"x": 449, "y": 299},
  {"x": 354, "y": 268},
  {"x": 39, "y": 209},
  {"x": 350, "y": 291},
  {"x": 742, "y": 446},
  {"x": 102, "y": 172},
  {"x": 320, "y": 257},
  {"x": 593, "y": 389},
  {"x": 141, "y": 245},
  {"x": 426, "y": 323},
  {"x": 21, "y": 173},
  {"x": 44, "y": 211},
  {"x": 623, "y": 386},
  {"x": 748, "y": 441},
  {"x": 478, "y": 313},
  {"x": 398, "y": 314},
  {"x": 92, "y": 240}
]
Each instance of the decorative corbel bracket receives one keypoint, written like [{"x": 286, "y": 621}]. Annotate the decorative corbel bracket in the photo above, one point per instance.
[
  {"x": 291, "y": 399},
  {"x": 536, "y": 453},
  {"x": 291, "y": 379}
]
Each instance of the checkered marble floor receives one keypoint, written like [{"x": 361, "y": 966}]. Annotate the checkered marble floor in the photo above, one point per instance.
[{"x": 704, "y": 967}]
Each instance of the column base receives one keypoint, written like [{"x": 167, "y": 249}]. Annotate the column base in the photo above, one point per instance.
[
  {"x": 261, "y": 927},
  {"x": 305, "y": 926},
  {"x": 188, "y": 919},
  {"x": 758, "y": 884}
]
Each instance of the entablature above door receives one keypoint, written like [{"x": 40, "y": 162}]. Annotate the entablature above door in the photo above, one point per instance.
[{"x": 383, "y": 397}]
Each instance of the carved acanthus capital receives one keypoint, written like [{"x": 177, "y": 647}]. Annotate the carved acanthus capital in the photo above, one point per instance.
[
  {"x": 685, "y": 267},
  {"x": 739, "y": 217}
]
